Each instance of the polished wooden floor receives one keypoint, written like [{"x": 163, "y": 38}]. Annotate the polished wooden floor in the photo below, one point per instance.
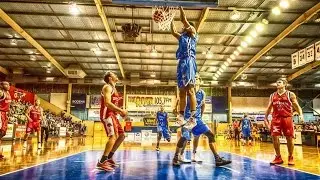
[{"x": 307, "y": 158}]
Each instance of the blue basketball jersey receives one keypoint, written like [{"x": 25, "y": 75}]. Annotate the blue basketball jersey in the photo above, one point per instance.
[
  {"x": 187, "y": 46},
  {"x": 200, "y": 94},
  {"x": 162, "y": 119},
  {"x": 245, "y": 124}
]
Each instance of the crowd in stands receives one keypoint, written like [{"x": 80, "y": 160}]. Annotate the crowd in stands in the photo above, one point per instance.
[
  {"x": 53, "y": 121},
  {"x": 311, "y": 126}
]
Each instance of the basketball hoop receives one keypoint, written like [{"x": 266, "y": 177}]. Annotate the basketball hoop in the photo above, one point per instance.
[{"x": 163, "y": 16}]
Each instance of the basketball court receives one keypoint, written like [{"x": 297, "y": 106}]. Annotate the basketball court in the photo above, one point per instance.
[{"x": 59, "y": 51}]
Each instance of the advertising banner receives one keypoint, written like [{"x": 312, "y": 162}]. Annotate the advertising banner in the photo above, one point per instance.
[
  {"x": 150, "y": 102},
  {"x": 297, "y": 139},
  {"x": 78, "y": 101},
  {"x": 63, "y": 132},
  {"x": 149, "y": 121},
  {"x": 9, "y": 134},
  {"x": 95, "y": 101},
  {"x": 21, "y": 95},
  {"x": 146, "y": 137},
  {"x": 137, "y": 137},
  {"x": 94, "y": 114}
]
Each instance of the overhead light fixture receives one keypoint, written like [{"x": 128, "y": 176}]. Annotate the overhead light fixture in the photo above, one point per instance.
[
  {"x": 244, "y": 76},
  {"x": 219, "y": 73},
  {"x": 223, "y": 66},
  {"x": 239, "y": 48},
  {"x": 49, "y": 78},
  {"x": 220, "y": 70},
  {"x": 33, "y": 57},
  {"x": 226, "y": 63},
  {"x": 265, "y": 21},
  {"x": 97, "y": 51},
  {"x": 49, "y": 65},
  {"x": 229, "y": 60},
  {"x": 154, "y": 52},
  {"x": 276, "y": 11},
  {"x": 317, "y": 20},
  {"x": 73, "y": 9},
  {"x": 204, "y": 52},
  {"x": 214, "y": 78},
  {"x": 48, "y": 71},
  {"x": 153, "y": 75},
  {"x": 284, "y": 4},
  {"x": 236, "y": 53},
  {"x": 259, "y": 27},
  {"x": 254, "y": 34},
  {"x": 235, "y": 15},
  {"x": 216, "y": 75},
  {"x": 249, "y": 39},
  {"x": 209, "y": 55},
  {"x": 268, "y": 57},
  {"x": 13, "y": 42},
  {"x": 233, "y": 57},
  {"x": 244, "y": 44}
]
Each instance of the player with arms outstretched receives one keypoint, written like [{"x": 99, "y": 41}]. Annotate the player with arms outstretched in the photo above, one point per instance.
[
  {"x": 282, "y": 102},
  {"x": 187, "y": 67},
  {"x": 108, "y": 111}
]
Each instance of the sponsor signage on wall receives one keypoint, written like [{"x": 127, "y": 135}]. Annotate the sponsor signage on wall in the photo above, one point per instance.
[
  {"x": 78, "y": 101},
  {"x": 95, "y": 101},
  {"x": 9, "y": 134},
  {"x": 150, "y": 102},
  {"x": 149, "y": 121},
  {"x": 63, "y": 132},
  {"x": 21, "y": 95},
  {"x": 297, "y": 138},
  {"x": 94, "y": 114}
]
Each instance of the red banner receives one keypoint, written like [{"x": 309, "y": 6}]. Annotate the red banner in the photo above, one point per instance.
[{"x": 21, "y": 95}]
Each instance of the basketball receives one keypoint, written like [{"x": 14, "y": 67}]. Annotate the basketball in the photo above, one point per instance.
[{"x": 157, "y": 16}]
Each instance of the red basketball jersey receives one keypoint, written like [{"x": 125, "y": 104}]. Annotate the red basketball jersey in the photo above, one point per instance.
[
  {"x": 282, "y": 105},
  {"x": 35, "y": 113},
  {"x": 5, "y": 102},
  {"x": 104, "y": 111}
]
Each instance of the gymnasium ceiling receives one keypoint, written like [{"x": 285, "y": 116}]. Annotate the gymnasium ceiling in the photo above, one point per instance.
[{"x": 69, "y": 40}]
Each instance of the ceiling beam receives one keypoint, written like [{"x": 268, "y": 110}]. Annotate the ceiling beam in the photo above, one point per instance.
[
  {"x": 203, "y": 17},
  {"x": 4, "y": 70},
  {"x": 303, "y": 70},
  {"x": 146, "y": 43},
  {"x": 153, "y": 32},
  {"x": 34, "y": 43},
  {"x": 109, "y": 33},
  {"x": 300, "y": 20}
]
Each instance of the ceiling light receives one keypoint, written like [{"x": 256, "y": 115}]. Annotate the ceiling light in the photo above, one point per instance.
[
  {"x": 317, "y": 20},
  {"x": 204, "y": 52},
  {"x": 226, "y": 63},
  {"x": 254, "y": 34},
  {"x": 249, "y": 39},
  {"x": 216, "y": 75},
  {"x": 219, "y": 73},
  {"x": 236, "y": 53},
  {"x": 214, "y": 78},
  {"x": 233, "y": 57},
  {"x": 265, "y": 21},
  {"x": 229, "y": 60},
  {"x": 244, "y": 76},
  {"x": 13, "y": 42},
  {"x": 223, "y": 66},
  {"x": 73, "y": 9},
  {"x": 268, "y": 57},
  {"x": 235, "y": 15},
  {"x": 276, "y": 11},
  {"x": 284, "y": 4},
  {"x": 49, "y": 65},
  {"x": 33, "y": 57},
  {"x": 209, "y": 55},
  {"x": 259, "y": 27},
  {"x": 154, "y": 52},
  {"x": 153, "y": 75},
  {"x": 220, "y": 70},
  {"x": 239, "y": 48},
  {"x": 49, "y": 78},
  {"x": 244, "y": 44},
  {"x": 48, "y": 71}
]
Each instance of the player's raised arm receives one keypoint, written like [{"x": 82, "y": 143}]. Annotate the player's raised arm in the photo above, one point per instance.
[
  {"x": 174, "y": 31},
  {"x": 189, "y": 28}
]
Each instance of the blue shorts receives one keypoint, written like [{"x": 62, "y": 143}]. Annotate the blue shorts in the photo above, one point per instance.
[
  {"x": 164, "y": 131},
  {"x": 186, "y": 72},
  {"x": 246, "y": 132},
  {"x": 196, "y": 131}
]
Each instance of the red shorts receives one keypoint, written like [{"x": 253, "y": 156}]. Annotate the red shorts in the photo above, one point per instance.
[
  {"x": 3, "y": 122},
  {"x": 33, "y": 126},
  {"x": 282, "y": 125},
  {"x": 112, "y": 126}
]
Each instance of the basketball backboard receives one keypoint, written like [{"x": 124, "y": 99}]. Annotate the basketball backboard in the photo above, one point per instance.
[{"x": 185, "y": 3}]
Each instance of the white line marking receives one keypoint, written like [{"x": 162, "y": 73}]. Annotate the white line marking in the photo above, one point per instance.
[
  {"x": 49, "y": 161},
  {"x": 273, "y": 165}
]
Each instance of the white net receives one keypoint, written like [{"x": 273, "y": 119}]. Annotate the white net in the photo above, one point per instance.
[{"x": 163, "y": 16}]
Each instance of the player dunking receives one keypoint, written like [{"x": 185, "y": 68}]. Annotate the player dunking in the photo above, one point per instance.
[
  {"x": 282, "y": 102},
  {"x": 34, "y": 114},
  {"x": 5, "y": 100},
  {"x": 200, "y": 128},
  {"x": 187, "y": 67},
  {"x": 108, "y": 111},
  {"x": 162, "y": 126}
]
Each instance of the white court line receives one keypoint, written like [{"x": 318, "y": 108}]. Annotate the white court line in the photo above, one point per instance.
[
  {"x": 49, "y": 161},
  {"x": 273, "y": 165}
]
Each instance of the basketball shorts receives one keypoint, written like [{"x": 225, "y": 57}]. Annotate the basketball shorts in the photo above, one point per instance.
[
  {"x": 282, "y": 125},
  {"x": 186, "y": 72},
  {"x": 199, "y": 129},
  {"x": 112, "y": 126},
  {"x": 3, "y": 122},
  {"x": 33, "y": 126},
  {"x": 246, "y": 132},
  {"x": 164, "y": 131}
]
